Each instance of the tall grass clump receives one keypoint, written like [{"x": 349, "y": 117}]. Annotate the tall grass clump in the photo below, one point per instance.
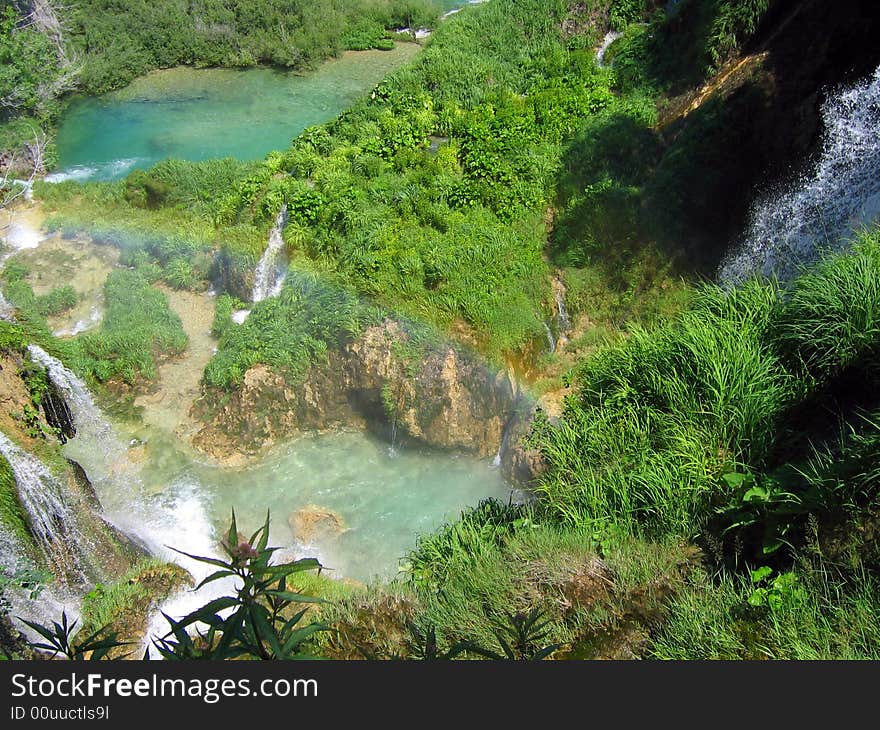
[
  {"x": 830, "y": 317},
  {"x": 810, "y": 613},
  {"x": 138, "y": 329},
  {"x": 289, "y": 332},
  {"x": 658, "y": 419}
]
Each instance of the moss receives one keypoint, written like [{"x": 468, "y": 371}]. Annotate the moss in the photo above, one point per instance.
[
  {"x": 123, "y": 607},
  {"x": 12, "y": 514}
]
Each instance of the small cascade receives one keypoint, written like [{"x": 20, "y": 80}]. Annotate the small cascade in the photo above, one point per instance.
[
  {"x": 563, "y": 321},
  {"x": 551, "y": 340},
  {"x": 83, "y": 325},
  {"x": 178, "y": 518},
  {"x": 6, "y": 309},
  {"x": 87, "y": 417},
  {"x": 450, "y": 13},
  {"x": 610, "y": 37},
  {"x": 269, "y": 275},
  {"x": 820, "y": 210},
  {"x": 53, "y": 521},
  {"x": 392, "y": 449},
  {"x": 48, "y": 603}
]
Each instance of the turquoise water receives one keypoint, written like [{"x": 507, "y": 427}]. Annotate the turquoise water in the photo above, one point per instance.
[
  {"x": 383, "y": 499},
  {"x": 199, "y": 114}
]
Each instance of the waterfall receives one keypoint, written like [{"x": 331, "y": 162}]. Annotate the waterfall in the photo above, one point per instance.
[
  {"x": 610, "y": 37},
  {"x": 5, "y": 309},
  {"x": 820, "y": 210},
  {"x": 563, "y": 321},
  {"x": 269, "y": 277},
  {"x": 178, "y": 518},
  {"x": 87, "y": 417},
  {"x": 53, "y": 521},
  {"x": 551, "y": 340},
  {"x": 50, "y": 601}
]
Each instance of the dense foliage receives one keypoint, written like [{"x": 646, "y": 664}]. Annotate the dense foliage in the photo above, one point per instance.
[{"x": 119, "y": 42}]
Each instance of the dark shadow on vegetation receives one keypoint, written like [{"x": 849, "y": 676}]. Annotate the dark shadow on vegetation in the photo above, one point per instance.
[{"x": 688, "y": 185}]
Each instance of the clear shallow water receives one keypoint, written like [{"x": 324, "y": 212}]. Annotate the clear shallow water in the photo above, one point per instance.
[
  {"x": 199, "y": 114},
  {"x": 170, "y": 498}
]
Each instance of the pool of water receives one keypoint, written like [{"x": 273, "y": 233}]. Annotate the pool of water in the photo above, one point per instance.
[
  {"x": 382, "y": 500},
  {"x": 199, "y": 114}
]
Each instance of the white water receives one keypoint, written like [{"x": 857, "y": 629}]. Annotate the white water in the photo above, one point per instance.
[
  {"x": 83, "y": 325},
  {"x": 6, "y": 309},
  {"x": 562, "y": 319},
  {"x": 80, "y": 173},
  {"x": 452, "y": 12},
  {"x": 610, "y": 37},
  {"x": 269, "y": 277},
  {"x": 52, "y": 520},
  {"x": 47, "y": 605},
  {"x": 172, "y": 500},
  {"x": 20, "y": 236},
  {"x": 177, "y": 517},
  {"x": 86, "y": 415},
  {"x": 551, "y": 340},
  {"x": 823, "y": 207}
]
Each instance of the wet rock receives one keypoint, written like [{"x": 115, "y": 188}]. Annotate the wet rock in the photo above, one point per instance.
[
  {"x": 438, "y": 395},
  {"x": 521, "y": 463},
  {"x": 58, "y": 414}
]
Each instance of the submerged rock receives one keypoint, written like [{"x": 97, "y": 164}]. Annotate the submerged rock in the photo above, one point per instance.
[{"x": 313, "y": 522}]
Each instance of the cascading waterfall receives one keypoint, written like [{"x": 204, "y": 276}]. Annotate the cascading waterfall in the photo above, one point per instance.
[
  {"x": 562, "y": 319},
  {"x": 87, "y": 417},
  {"x": 5, "y": 309},
  {"x": 178, "y": 519},
  {"x": 823, "y": 207},
  {"x": 610, "y": 37},
  {"x": 551, "y": 340},
  {"x": 53, "y": 521},
  {"x": 49, "y": 602},
  {"x": 269, "y": 276}
]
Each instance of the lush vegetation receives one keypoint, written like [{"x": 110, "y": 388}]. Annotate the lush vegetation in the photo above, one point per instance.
[
  {"x": 137, "y": 330},
  {"x": 711, "y": 487},
  {"x": 12, "y": 516},
  {"x": 116, "y": 46},
  {"x": 93, "y": 46}
]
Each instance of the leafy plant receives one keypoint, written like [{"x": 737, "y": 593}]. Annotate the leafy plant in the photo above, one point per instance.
[
  {"x": 520, "y": 636},
  {"x": 61, "y": 638},
  {"x": 261, "y": 620}
]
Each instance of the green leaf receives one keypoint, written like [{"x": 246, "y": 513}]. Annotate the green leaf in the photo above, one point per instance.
[
  {"x": 756, "y": 494},
  {"x": 232, "y": 535}
]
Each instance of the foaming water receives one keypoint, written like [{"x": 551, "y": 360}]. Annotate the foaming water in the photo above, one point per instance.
[
  {"x": 610, "y": 37},
  {"x": 820, "y": 210},
  {"x": 270, "y": 274},
  {"x": 48, "y": 603},
  {"x": 383, "y": 501},
  {"x": 52, "y": 520},
  {"x": 171, "y": 501}
]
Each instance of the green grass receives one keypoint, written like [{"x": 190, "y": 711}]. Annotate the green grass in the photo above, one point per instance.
[
  {"x": 742, "y": 382},
  {"x": 122, "y": 605},
  {"x": 822, "y": 617},
  {"x": 289, "y": 332},
  {"x": 138, "y": 329}
]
